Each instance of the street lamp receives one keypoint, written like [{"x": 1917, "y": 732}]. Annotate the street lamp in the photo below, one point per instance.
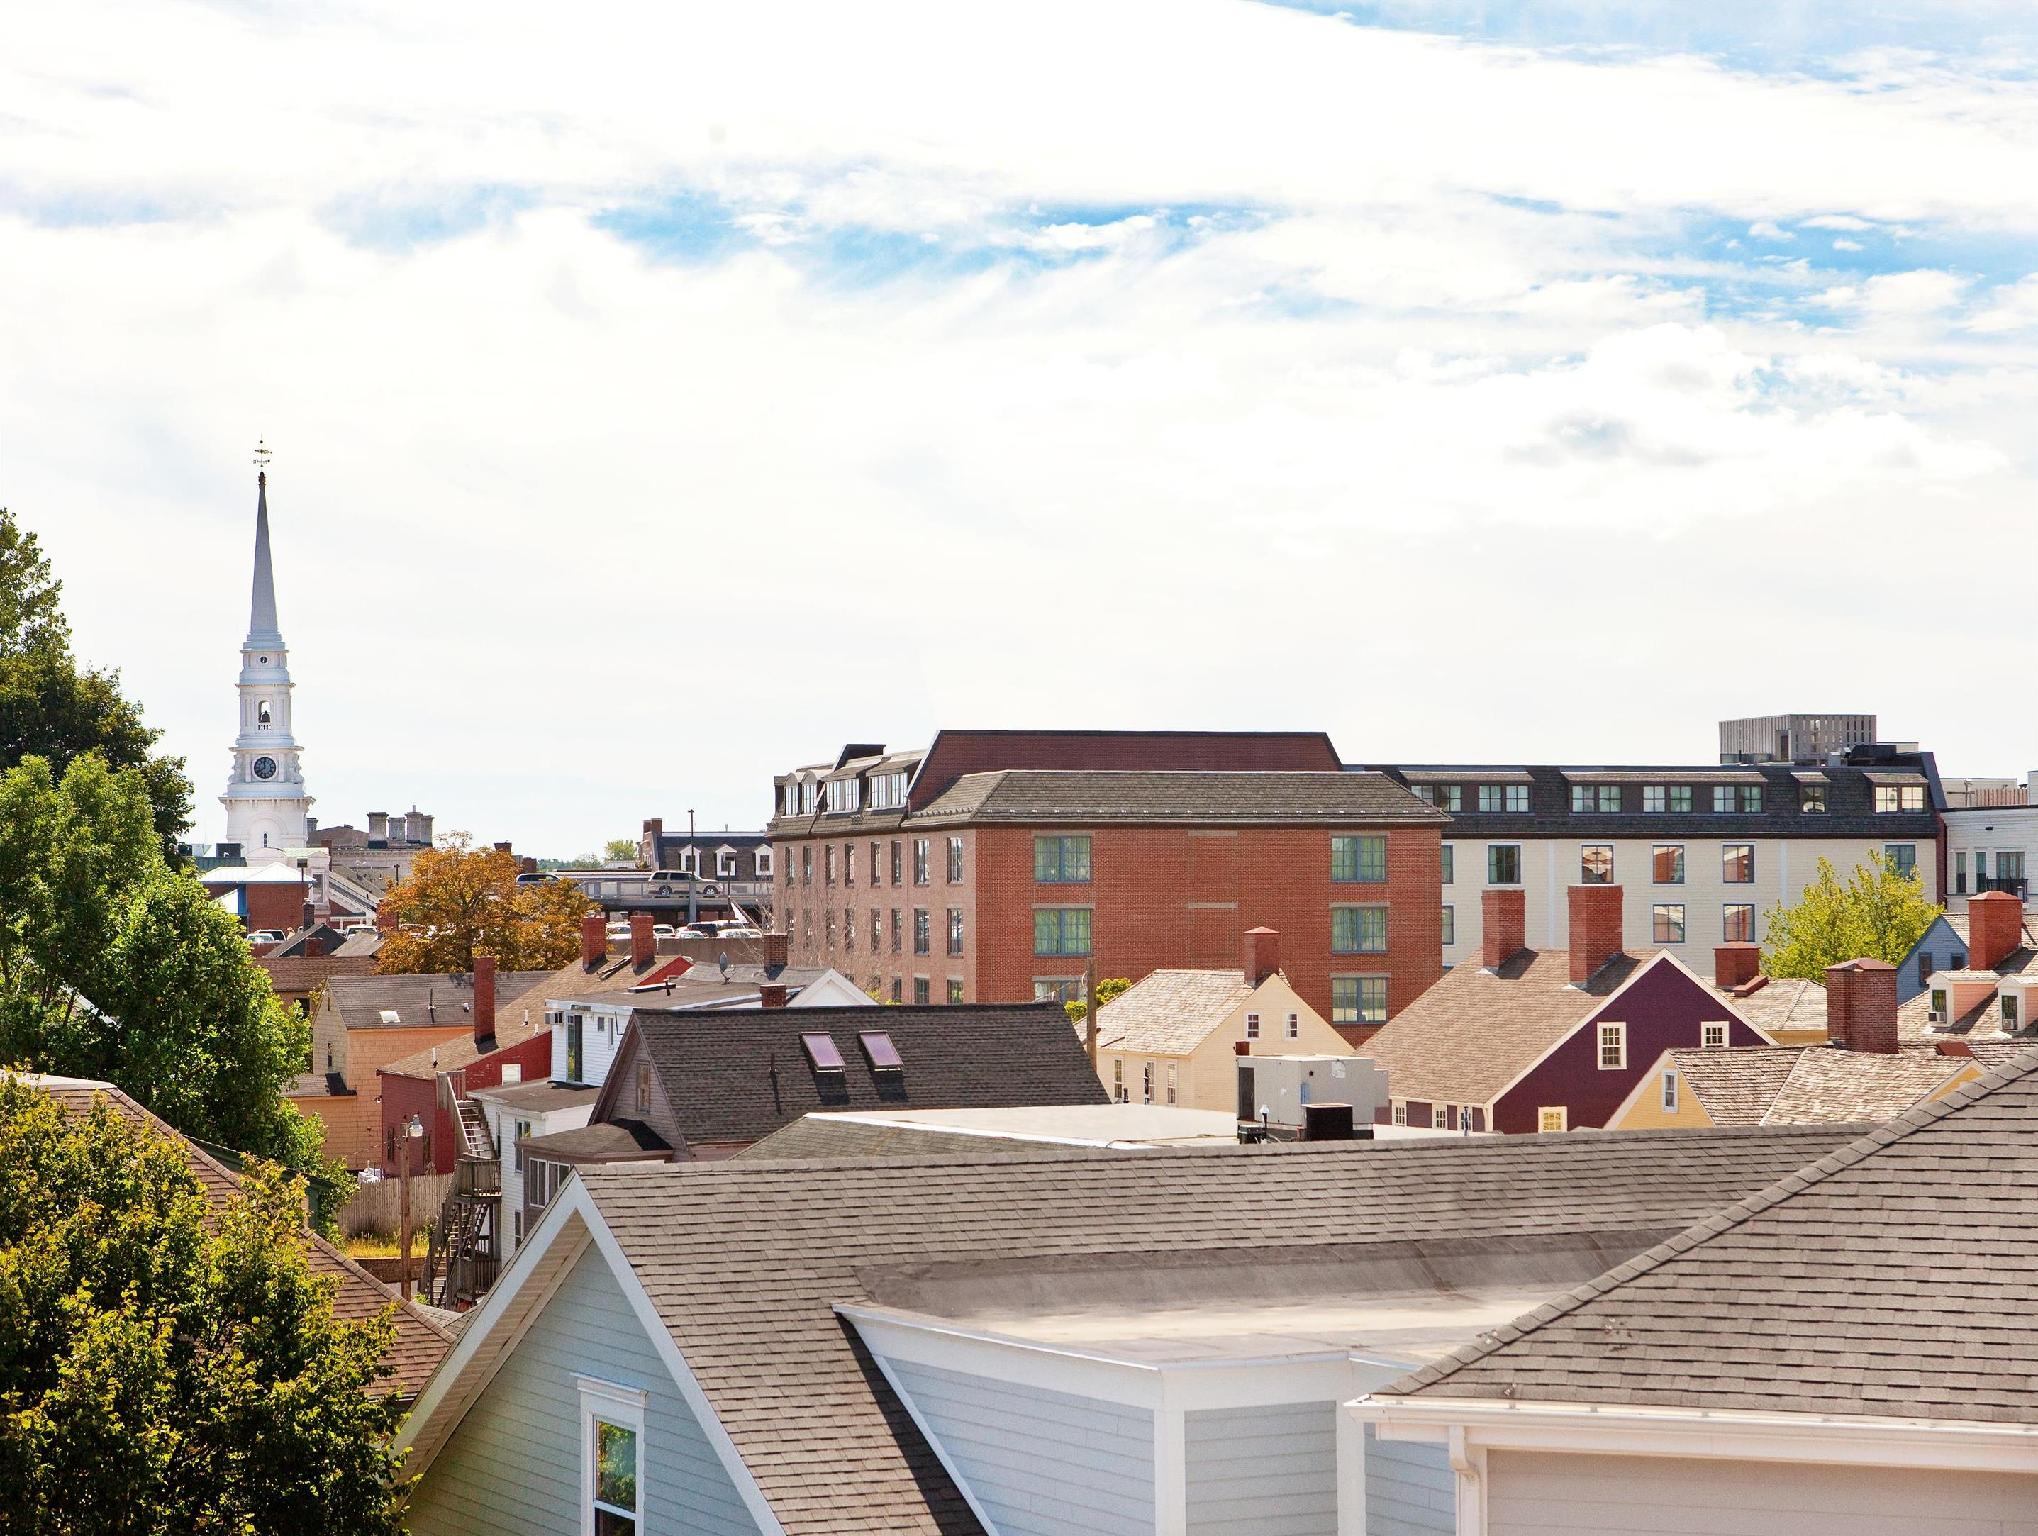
[{"x": 413, "y": 1130}]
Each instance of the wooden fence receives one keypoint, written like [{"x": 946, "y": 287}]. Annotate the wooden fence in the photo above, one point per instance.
[{"x": 373, "y": 1208}]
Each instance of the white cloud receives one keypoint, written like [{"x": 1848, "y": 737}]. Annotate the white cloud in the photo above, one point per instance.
[{"x": 1234, "y": 344}]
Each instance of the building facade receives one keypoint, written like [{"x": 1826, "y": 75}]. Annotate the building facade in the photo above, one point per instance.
[
  {"x": 266, "y": 801},
  {"x": 1702, "y": 854},
  {"x": 940, "y": 876},
  {"x": 1793, "y": 738},
  {"x": 1988, "y": 848}
]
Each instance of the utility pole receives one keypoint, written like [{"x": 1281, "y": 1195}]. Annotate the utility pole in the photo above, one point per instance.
[
  {"x": 693, "y": 875},
  {"x": 411, "y": 1129},
  {"x": 1090, "y": 1014}
]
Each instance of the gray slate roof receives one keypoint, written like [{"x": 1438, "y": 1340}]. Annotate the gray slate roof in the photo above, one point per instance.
[
  {"x": 1245, "y": 799},
  {"x": 746, "y": 1261},
  {"x": 419, "y": 1001},
  {"x": 1896, "y": 1277}
]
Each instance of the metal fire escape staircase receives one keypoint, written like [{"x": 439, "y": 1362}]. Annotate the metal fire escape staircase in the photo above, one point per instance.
[{"x": 464, "y": 1255}]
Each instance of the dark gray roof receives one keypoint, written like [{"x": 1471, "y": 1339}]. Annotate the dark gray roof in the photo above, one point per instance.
[
  {"x": 541, "y": 1096},
  {"x": 1850, "y": 799},
  {"x": 605, "y": 1142},
  {"x": 419, "y": 1002},
  {"x": 1245, "y": 799},
  {"x": 703, "y": 986},
  {"x": 1895, "y": 1277},
  {"x": 746, "y": 1261},
  {"x": 735, "y": 1076},
  {"x": 824, "y": 1136}
]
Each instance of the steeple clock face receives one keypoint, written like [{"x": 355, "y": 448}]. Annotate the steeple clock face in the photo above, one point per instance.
[{"x": 265, "y": 767}]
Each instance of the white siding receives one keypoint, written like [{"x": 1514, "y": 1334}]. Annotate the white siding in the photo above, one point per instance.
[
  {"x": 601, "y": 1031},
  {"x": 1263, "y": 1471},
  {"x": 1538, "y": 1495},
  {"x": 1040, "y": 1463},
  {"x": 513, "y": 1464},
  {"x": 1410, "y": 1489}
]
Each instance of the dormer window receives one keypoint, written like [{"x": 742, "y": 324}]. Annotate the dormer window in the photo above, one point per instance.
[{"x": 844, "y": 795}]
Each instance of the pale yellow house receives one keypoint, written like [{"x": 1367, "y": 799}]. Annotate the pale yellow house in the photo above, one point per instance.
[
  {"x": 1788, "y": 1085},
  {"x": 1173, "y": 1038}
]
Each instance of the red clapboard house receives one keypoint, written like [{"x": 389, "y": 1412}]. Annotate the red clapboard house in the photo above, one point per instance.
[{"x": 1547, "y": 1040}]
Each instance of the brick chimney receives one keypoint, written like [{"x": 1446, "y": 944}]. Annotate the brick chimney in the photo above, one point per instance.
[
  {"x": 643, "y": 942},
  {"x": 774, "y": 951},
  {"x": 1995, "y": 929},
  {"x": 1735, "y": 965},
  {"x": 1503, "y": 920},
  {"x": 503, "y": 848},
  {"x": 773, "y": 994},
  {"x": 594, "y": 940},
  {"x": 1861, "y": 1006},
  {"x": 314, "y": 947},
  {"x": 1262, "y": 955},
  {"x": 1595, "y": 929},
  {"x": 527, "y": 865},
  {"x": 484, "y": 1001}
]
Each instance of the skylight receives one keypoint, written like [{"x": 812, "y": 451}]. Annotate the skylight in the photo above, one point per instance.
[
  {"x": 884, "y": 1056},
  {"x": 823, "y": 1053}
]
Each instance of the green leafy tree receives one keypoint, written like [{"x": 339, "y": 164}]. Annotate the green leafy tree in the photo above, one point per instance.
[
  {"x": 1877, "y": 914},
  {"x": 52, "y": 708},
  {"x": 113, "y": 965},
  {"x": 168, "y": 1366},
  {"x": 1109, "y": 987},
  {"x": 619, "y": 850}
]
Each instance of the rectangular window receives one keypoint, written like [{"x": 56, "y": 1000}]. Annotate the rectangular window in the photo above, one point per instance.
[
  {"x": 897, "y": 930},
  {"x": 1891, "y": 798},
  {"x": 1172, "y": 1080},
  {"x": 1450, "y": 925},
  {"x": 1680, "y": 799},
  {"x": 844, "y": 795},
  {"x": 1118, "y": 1078},
  {"x": 807, "y": 864},
  {"x": 1581, "y": 798},
  {"x": 829, "y": 918},
  {"x": 920, "y": 861},
  {"x": 1811, "y": 799},
  {"x": 1056, "y": 989},
  {"x": 1960, "y": 874},
  {"x": 1358, "y": 999},
  {"x": 1061, "y": 931},
  {"x": 849, "y": 863},
  {"x": 1146, "y": 1083},
  {"x": 849, "y": 928},
  {"x": 1552, "y": 1117},
  {"x": 1737, "y": 863},
  {"x": 955, "y": 931},
  {"x": 1669, "y": 864},
  {"x": 1667, "y": 922},
  {"x": 1440, "y": 1117},
  {"x": 2009, "y": 864},
  {"x": 1503, "y": 864},
  {"x": 897, "y": 985},
  {"x": 1361, "y": 860},
  {"x": 1595, "y": 864},
  {"x": 1737, "y": 922},
  {"x": 1294, "y": 1026},
  {"x": 955, "y": 861},
  {"x": 1669, "y": 1093},
  {"x": 1609, "y": 798},
  {"x": 954, "y": 990},
  {"x": 1751, "y": 799},
  {"x": 828, "y": 863},
  {"x": 1358, "y": 930},
  {"x": 1903, "y": 857},
  {"x": 1489, "y": 797},
  {"x": 611, "y": 1426},
  {"x": 1654, "y": 800},
  {"x": 1516, "y": 798},
  {"x": 1061, "y": 860},
  {"x": 921, "y": 995},
  {"x": 887, "y": 791},
  {"x": 877, "y": 930},
  {"x": 1613, "y": 1047},
  {"x": 1450, "y": 863},
  {"x": 1252, "y": 1026},
  {"x": 1713, "y": 1035},
  {"x": 923, "y": 933},
  {"x": 2009, "y": 1001},
  {"x": 1722, "y": 798},
  {"x": 876, "y": 863},
  {"x": 1400, "y": 1114},
  {"x": 897, "y": 866}
]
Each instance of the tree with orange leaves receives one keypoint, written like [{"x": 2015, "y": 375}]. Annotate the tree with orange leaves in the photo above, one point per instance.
[{"x": 461, "y": 901}]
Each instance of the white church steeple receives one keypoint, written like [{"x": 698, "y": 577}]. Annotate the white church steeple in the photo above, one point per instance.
[{"x": 265, "y": 800}]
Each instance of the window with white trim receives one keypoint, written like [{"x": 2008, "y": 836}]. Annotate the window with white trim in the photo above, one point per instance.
[
  {"x": 1146, "y": 1084},
  {"x": 1172, "y": 1081},
  {"x": 1713, "y": 1035},
  {"x": 1553, "y": 1117},
  {"x": 1252, "y": 1026},
  {"x": 611, "y": 1442},
  {"x": 1613, "y": 1047},
  {"x": 1440, "y": 1117},
  {"x": 1294, "y": 1026},
  {"x": 1400, "y": 1115},
  {"x": 1669, "y": 1093},
  {"x": 1118, "y": 1078}
]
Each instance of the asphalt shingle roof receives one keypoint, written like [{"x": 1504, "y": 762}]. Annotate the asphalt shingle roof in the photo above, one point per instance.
[
  {"x": 419, "y": 1001},
  {"x": 1811, "y": 1084},
  {"x": 1246, "y": 799},
  {"x": 1896, "y": 1277},
  {"x": 746, "y": 1261}
]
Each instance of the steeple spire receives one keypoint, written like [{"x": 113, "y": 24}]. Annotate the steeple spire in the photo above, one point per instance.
[{"x": 262, "y": 629}]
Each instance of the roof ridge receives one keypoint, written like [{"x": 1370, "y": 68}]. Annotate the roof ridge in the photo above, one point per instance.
[{"x": 1723, "y": 1220}]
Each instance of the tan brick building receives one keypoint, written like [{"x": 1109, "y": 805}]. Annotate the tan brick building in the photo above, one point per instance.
[{"x": 995, "y": 866}]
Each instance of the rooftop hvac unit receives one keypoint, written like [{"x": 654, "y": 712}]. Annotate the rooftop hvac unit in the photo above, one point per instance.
[{"x": 1277, "y": 1092}]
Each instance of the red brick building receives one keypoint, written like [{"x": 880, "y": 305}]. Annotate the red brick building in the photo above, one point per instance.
[{"x": 994, "y": 866}]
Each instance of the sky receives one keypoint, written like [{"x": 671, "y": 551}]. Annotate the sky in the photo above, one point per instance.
[{"x": 664, "y": 395}]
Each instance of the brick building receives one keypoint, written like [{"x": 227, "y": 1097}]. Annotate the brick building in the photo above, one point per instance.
[{"x": 995, "y": 866}]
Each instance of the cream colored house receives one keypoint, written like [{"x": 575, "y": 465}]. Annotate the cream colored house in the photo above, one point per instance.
[{"x": 1173, "y": 1038}]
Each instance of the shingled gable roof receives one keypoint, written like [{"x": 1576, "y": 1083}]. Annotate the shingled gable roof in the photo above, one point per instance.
[
  {"x": 1243, "y": 799},
  {"x": 1805, "y": 1084},
  {"x": 733, "y": 1077},
  {"x": 421, "y": 1342},
  {"x": 1475, "y": 1032},
  {"x": 739, "y": 1266},
  {"x": 1891, "y": 1279},
  {"x": 427, "y": 1000},
  {"x": 1169, "y": 1012}
]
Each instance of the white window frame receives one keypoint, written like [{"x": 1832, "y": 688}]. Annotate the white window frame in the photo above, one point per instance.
[
  {"x": 1707, "y": 1038},
  {"x": 1252, "y": 1026},
  {"x": 725, "y": 863},
  {"x": 1400, "y": 1114},
  {"x": 764, "y": 864},
  {"x": 1439, "y": 1117},
  {"x": 1172, "y": 1081},
  {"x": 622, "y": 1406},
  {"x": 1561, "y": 1115},
  {"x": 1670, "y": 1092},
  {"x": 1294, "y": 1026},
  {"x": 1616, "y": 1035},
  {"x": 1146, "y": 1083}
]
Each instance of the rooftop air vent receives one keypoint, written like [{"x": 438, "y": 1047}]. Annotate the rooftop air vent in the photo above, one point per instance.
[{"x": 390, "y": 1016}]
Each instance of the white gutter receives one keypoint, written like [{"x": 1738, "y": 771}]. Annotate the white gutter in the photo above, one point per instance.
[{"x": 1740, "y": 1434}]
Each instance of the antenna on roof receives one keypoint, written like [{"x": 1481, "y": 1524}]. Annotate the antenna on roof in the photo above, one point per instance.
[{"x": 262, "y": 457}]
